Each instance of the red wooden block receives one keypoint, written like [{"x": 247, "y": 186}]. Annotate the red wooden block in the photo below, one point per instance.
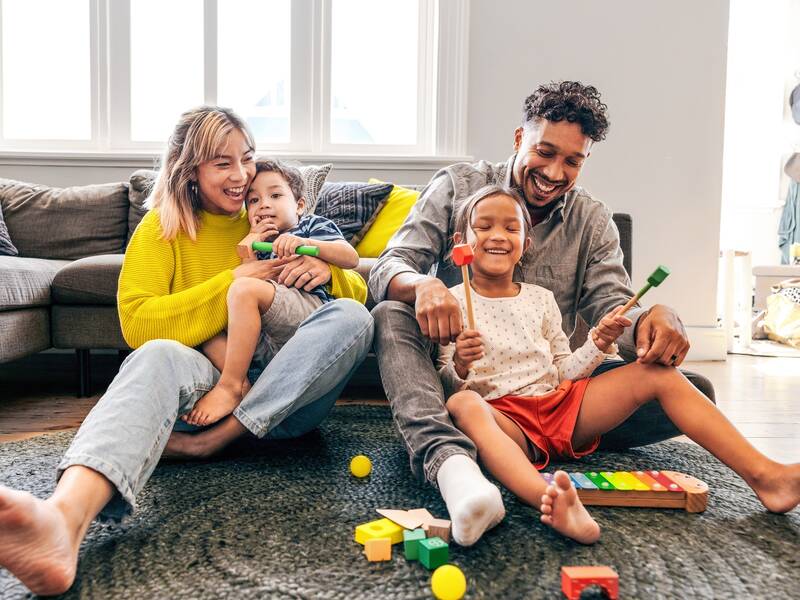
[
  {"x": 575, "y": 579},
  {"x": 462, "y": 254}
]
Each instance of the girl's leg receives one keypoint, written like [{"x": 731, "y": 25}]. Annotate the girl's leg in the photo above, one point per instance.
[
  {"x": 503, "y": 448},
  {"x": 248, "y": 299},
  {"x": 611, "y": 397}
]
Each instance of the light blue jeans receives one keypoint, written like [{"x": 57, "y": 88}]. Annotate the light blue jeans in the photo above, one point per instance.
[{"x": 123, "y": 436}]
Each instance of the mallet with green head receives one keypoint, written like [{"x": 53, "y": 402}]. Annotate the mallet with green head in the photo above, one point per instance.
[
  {"x": 655, "y": 279},
  {"x": 307, "y": 250}
]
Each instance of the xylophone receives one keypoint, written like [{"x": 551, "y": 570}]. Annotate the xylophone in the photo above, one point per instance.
[{"x": 654, "y": 489}]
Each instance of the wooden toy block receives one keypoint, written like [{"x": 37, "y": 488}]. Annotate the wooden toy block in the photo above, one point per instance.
[
  {"x": 438, "y": 528},
  {"x": 411, "y": 540},
  {"x": 422, "y": 514},
  {"x": 245, "y": 248},
  {"x": 379, "y": 529},
  {"x": 403, "y": 518},
  {"x": 378, "y": 549},
  {"x": 575, "y": 579},
  {"x": 462, "y": 254},
  {"x": 649, "y": 489},
  {"x": 433, "y": 552}
]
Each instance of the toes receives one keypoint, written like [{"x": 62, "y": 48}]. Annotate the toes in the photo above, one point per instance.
[
  {"x": 562, "y": 480},
  {"x": 547, "y": 520},
  {"x": 551, "y": 491},
  {"x": 546, "y": 509},
  {"x": 547, "y": 500}
]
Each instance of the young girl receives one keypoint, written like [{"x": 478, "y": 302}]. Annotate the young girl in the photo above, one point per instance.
[
  {"x": 522, "y": 397},
  {"x": 275, "y": 206}
]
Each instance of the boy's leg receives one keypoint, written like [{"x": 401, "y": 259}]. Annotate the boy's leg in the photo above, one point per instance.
[
  {"x": 215, "y": 349},
  {"x": 109, "y": 461},
  {"x": 439, "y": 452},
  {"x": 610, "y": 398},
  {"x": 248, "y": 299}
]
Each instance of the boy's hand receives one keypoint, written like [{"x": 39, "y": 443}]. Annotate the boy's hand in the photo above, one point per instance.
[
  {"x": 469, "y": 348},
  {"x": 265, "y": 229},
  {"x": 286, "y": 244},
  {"x": 609, "y": 329}
]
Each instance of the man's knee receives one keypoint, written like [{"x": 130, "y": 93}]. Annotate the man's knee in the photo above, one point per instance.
[{"x": 391, "y": 313}]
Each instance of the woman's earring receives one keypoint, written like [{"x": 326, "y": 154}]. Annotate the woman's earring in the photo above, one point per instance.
[{"x": 193, "y": 193}]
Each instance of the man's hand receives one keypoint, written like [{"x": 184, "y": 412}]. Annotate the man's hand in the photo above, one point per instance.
[
  {"x": 469, "y": 348},
  {"x": 609, "y": 329},
  {"x": 304, "y": 272},
  {"x": 286, "y": 243},
  {"x": 438, "y": 311},
  {"x": 660, "y": 337}
]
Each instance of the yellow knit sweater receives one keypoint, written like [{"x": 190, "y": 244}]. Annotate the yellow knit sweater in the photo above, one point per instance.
[{"x": 177, "y": 290}]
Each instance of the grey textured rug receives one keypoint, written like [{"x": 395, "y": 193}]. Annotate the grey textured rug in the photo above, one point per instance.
[{"x": 278, "y": 523}]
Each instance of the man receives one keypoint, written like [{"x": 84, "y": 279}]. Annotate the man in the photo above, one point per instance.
[{"x": 575, "y": 254}]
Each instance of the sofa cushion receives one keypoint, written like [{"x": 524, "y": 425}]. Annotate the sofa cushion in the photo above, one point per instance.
[
  {"x": 352, "y": 206},
  {"x": 65, "y": 223},
  {"x": 25, "y": 282},
  {"x": 91, "y": 280},
  {"x": 7, "y": 247},
  {"x": 23, "y": 332}
]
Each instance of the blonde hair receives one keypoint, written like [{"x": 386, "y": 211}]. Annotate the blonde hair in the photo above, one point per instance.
[
  {"x": 463, "y": 213},
  {"x": 198, "y": 137}
]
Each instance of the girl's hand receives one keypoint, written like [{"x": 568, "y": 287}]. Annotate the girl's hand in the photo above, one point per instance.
[
  {"x": 304, "y": 272},
  {"x": 265, "y": 229},
  {"x": 609, "y": 329},
  {"x": 469, "y": 348},
  {"x": 286, "y": 244},
  {"x": 261, "y": 269}
]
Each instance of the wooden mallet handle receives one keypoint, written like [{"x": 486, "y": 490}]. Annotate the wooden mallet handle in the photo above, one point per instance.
[
  {"x": 462, "y": 256},
  {"x": 655, "y": 279}
]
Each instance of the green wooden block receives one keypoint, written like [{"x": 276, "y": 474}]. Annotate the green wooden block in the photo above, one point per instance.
[
  {"x": 411, "y": 540},
  {"x": 433, "y": 552}
]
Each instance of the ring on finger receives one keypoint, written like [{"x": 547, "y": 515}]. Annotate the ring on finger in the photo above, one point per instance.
[{"x": 672, "y": 359}]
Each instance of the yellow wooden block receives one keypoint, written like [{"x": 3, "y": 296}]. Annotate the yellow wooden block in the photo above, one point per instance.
[
  {"x": 382, "y": 528},
  {"x": 378, "y": 549}
]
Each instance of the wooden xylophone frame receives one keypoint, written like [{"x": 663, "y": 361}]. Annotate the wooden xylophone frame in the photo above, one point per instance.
[{"x": 693, "y": 497}]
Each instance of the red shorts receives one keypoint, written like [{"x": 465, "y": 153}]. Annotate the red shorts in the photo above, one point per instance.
[{"x": 548, "y": 421}]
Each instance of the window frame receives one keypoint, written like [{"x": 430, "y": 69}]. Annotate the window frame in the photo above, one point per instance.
[{"x": 441, "y": 110}]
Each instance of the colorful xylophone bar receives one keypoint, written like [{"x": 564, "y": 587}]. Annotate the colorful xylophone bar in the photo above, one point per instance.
[{"x": 653, "y": 489}]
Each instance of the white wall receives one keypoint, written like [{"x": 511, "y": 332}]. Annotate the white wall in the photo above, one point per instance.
[{"x": 661, "y": 69}]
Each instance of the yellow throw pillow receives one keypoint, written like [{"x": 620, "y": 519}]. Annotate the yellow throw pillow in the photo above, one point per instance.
[{"x": 389, "y": 219}]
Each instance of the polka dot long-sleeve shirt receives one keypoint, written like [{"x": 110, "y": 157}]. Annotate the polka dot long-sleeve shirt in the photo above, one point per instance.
[{"x": 526, "y": 351}]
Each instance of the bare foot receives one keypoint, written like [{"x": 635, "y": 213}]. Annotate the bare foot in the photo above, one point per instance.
[
  {"x": 219, "y": 402},
  {"x": 563, "y": 511},
  {"x": 205, "y": 443},
  {"x": 779, "y": 489},
  {"x": 35, "y": 543}
]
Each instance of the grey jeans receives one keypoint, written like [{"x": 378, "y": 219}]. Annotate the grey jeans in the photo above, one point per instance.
[
  {"x": 124, "y": 435},
  {"x": 417, "y": 399}
]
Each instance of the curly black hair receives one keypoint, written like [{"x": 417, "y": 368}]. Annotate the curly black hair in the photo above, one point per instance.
[{"x": 570, "y": 100}]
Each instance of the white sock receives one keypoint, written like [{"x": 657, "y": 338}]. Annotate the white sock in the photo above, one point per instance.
[{"x": 474, "y": 503}]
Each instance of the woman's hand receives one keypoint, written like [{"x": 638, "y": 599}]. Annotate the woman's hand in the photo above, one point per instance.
[
  {"x": 609, "y": 329},
  {"x": 469, "y": 348},
  {"x": 262, "y": 269},
  {"x": 304, "y": 272}
]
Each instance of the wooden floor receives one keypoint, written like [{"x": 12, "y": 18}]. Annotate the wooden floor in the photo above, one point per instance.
[{"x": 760, "y": 395}]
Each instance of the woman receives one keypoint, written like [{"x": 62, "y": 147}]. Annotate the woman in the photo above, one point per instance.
[{"x": 172, "y": 297}]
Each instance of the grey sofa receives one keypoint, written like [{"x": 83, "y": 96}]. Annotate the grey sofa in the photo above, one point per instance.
[{"x": 61, "y": 291}]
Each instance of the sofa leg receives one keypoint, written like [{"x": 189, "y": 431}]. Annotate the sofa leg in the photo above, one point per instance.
[{"x": 84, "y": 372}]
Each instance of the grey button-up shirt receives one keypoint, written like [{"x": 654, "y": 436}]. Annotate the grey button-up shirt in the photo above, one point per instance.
[{"x": 575, "y": 251}]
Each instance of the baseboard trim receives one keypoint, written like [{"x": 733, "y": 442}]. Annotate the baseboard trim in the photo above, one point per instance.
[{"x": 707, "y": 343}]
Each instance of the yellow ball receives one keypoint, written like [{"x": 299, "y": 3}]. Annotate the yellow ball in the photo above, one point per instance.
[
  {"x": 360, "y": 466},
  {"x": 448, "y": 583}
]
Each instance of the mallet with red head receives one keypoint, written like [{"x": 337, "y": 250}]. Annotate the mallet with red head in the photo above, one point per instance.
[{"x": 462, "y": 256}]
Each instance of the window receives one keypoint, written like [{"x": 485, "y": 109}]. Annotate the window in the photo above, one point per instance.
[{"x": 311, "y": 77}]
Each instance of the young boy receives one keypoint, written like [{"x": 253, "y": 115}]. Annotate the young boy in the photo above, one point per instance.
[{"x": 275, "y": 205}]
